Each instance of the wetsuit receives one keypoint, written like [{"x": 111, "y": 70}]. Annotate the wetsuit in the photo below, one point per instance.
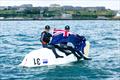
[
  {"x": 45, "y": 39},
  {"x": 76, "y": 40},
  {"x": 62, "y": 36}
]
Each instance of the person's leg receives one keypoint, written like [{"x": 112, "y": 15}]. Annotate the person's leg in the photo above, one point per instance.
[
  {"x": 70, "y": 48},
  {"x": 44, "y": 45},
  {"x": 54, "y": 51},
  {"x": 81, "y": 54},
  {"x": 62, "y": 49},
  {"x": 73, "y": 51}
]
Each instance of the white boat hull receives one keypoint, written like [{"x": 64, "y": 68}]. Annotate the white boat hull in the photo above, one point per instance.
[{"x": 44, "y": 56}]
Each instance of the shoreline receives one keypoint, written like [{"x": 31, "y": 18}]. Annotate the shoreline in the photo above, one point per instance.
[{"x": 52, "y": 19}]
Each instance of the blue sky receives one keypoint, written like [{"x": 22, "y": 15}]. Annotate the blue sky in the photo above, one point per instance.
[{"x": 109, "y": 4}]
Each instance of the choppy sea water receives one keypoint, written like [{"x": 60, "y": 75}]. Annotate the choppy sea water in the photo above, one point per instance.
[{"x": 17, "y": 38}]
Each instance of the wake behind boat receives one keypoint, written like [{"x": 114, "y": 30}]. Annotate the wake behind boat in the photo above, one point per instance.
[{"x": 45, "y": 56}]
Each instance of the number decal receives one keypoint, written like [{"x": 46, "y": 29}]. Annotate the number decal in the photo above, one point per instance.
[{"x": 36, "y": 61}]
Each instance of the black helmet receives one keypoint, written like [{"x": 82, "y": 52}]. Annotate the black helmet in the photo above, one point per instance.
[
  {"x": 67, "y": 27},
  {"x": 47, "y": 27}
]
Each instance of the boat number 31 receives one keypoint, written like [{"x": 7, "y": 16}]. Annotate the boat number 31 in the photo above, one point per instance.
[{"x": 36, "y": 61}]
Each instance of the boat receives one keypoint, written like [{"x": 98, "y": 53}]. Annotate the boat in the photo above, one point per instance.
[{"x": 45, "y": 57}]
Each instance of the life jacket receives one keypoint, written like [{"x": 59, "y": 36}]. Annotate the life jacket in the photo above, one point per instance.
[{"x": 45, "y": 37}]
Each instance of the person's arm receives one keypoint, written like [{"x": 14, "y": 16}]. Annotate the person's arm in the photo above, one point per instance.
[
  {"x": 50, "y": 35},
  {"x": 41, "y": 39}
]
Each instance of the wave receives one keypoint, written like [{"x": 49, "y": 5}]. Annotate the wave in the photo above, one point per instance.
[
  {"x": 4, "y": 35},
  {"x": 22, "y": 35},
  {"x": 109, "y": 38},
  {"x": 26, "y": 39}
]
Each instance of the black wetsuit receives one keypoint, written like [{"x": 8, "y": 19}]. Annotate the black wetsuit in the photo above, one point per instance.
[
  {"x": 45, "y": 39},
  {"x": 64, "y": 47}
]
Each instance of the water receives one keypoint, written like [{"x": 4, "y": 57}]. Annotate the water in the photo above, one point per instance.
[{"x": 17, "y": 38}]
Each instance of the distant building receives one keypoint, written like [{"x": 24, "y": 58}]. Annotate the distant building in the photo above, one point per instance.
[
  {"x": 9, "y": 7},
  {"x": 67, "y": 7},
  {"x": 13, "y": 7},
  {"x": 54, "y": 7},
  {"x": 71, "y": 8},
  {"x": 78, "y": 8},
  {"x": 3, "y": 7},
  {"x": 26, "y": 5},
  {"x": 1, "y": 17},
  {"x": 102, "y": 17},
  {"x": 94, "y": 8},
  {"x": 117, "y": 16},
  {"x": 23, "y": 7},
  {"x": 118, "y": 13},
  {"x": 66, "y": 16}
]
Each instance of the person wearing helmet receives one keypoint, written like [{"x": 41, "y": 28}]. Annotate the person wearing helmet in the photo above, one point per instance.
[
  {"x": 45, "y": 36},
  {"x": 64, "y": 37},
  {"x": 45, "y": 39},
  {"x": 67, "y": 47},
  {"x": 67, "y": 28},
  {"x": 59, "y": 35},
  {"x": 73, "y": 50}
]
